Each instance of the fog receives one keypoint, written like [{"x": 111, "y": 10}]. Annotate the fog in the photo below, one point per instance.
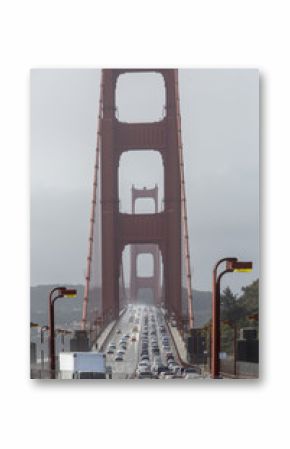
[{"x": 220, "y": 130}]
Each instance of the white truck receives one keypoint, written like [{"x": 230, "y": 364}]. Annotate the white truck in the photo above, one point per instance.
[{"x": 82, "y": 365}]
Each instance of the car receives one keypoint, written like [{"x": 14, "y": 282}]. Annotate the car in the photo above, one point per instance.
[
  {"x": 143, "y": 363},
  {"x": 119, "y": 358},
  {"x": 164, "y": 373},
  {"x": 133, "y": 338},
  {"x": 144, "y": 357},
  {"x": 158, "y": 368},
  {"x": 112, "y": 345},
  {"x": 169, "y": 355},
  {"x": 142, "y": 368},
  {"x": 121, "y": 351},
  {"x": 176, "y": 369},
  {"x": 110, "y": 351},
  {"x": 173, "y": 366}
]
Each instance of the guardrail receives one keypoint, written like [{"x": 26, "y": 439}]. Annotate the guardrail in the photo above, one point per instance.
[
  {"x": 108, "y": 337},
  {"x": 180, "y": 359}
]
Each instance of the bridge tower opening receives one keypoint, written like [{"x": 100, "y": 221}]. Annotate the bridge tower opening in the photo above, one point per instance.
[{"x": 153, "y": 281}]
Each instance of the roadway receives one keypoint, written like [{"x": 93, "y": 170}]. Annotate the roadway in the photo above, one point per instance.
[
  {"x": 126, "y": 368},
  {"x": 147, "y": 340}
]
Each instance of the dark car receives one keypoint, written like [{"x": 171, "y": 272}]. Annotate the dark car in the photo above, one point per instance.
[
  {"x": 164, "y": 371},
  {"x": 162, "y": 368}
]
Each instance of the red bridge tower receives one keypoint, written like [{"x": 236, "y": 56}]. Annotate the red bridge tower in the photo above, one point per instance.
[{"x": 161, "y": 228}]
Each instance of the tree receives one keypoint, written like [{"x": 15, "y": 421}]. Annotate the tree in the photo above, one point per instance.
[
  {"x": 230, "y": 306},
  {"x": 250, "y": 297}
]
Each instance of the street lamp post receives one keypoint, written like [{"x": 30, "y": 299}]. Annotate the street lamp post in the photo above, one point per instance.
[
  {"x": 42, "y": 330},
  {"x": 233, "y": 325},
  {"x": 232, "y": 264},
  {"x": 63, "y": 333},
  {"x": 61, "y": 293},
  {"x": 215, "y": 334}
]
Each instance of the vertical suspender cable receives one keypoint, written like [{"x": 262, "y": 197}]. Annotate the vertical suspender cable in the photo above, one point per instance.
[
  {"x": 93, "y": 209},
  {"x": 186, "y": 250},
  {"x": 123, "y": 284}
]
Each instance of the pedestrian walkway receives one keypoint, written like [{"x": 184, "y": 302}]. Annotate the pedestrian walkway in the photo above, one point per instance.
[
  {"x": 103, "y": 336},
  {"x": 101, "y": 340},
  {"x": 180, "y": 344}
]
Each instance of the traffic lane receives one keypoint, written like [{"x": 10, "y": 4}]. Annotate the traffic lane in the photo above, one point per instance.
[
  {"x": 126, "y": 368},
  {"x": 160, "y": 321},
  {"x": 146, "y": 341}
]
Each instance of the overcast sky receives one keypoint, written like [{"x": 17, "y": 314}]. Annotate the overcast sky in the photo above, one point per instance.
[{"x": 220, "y": 129}]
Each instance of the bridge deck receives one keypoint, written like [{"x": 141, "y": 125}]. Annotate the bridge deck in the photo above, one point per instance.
[{"x": 147, "y": 320}]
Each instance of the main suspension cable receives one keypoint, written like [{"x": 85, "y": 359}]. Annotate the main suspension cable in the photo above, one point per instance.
[
  {"x": 93, "y": 208},
  {"x": 186, "y": 249}
]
